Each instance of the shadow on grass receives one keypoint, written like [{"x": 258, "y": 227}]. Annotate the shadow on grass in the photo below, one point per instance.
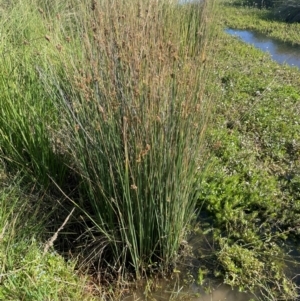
[{"x": 288, "y": 12}]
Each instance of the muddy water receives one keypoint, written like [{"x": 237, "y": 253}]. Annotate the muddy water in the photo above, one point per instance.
[
  {"x": 182, "y": 286},
  {"x": 176, "y": 293},
  {"x": 283, "y": 53}
]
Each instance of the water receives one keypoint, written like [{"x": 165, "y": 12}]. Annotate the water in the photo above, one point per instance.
[
  {"x": 174, "y": 293},
  {"x": 182, "y": 285},
  {"x": 283, "y": 53}
]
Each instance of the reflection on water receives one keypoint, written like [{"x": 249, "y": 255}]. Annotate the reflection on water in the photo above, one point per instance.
[
  {"x": 223, "y": 292},
  {"x": 280, "y": 52},
  {"x": 182, "y": 287},
  {"x": 167, "y": 290}
]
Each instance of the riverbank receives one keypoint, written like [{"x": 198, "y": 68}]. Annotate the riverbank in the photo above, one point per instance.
[
  {"x": 262, "y": 20},
  {"x": 248, "y": 194},
  {"x": 251, "y": 189}
]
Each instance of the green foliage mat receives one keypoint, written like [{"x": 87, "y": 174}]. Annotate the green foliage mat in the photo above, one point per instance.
[{"x": 251, "y": 189}]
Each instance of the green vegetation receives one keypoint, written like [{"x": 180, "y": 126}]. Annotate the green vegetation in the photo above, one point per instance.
[
  {"x": 118, "y": 121},
  {"x": 28, "y": 273},
  {"x": 270, "y": 4},
  {"x": 250, "y": 191},
  {"x": 129, "y": 120},
  {"x": 262, "y": 20},
  {"x": 284, "y": 10},
  {"x": 98, "y": 119}
]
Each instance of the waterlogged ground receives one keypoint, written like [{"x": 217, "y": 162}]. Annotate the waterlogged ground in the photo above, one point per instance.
[
  {"x": 221, "y": 292},
  {"x": 192, "y": 279},
  {"x": 187, "y": 283},
  {"x": 251, "y": 188}
]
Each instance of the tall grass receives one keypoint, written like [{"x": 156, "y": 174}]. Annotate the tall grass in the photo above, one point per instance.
[
  {"x": 27, "y": 113},
  {"x": 125, "y": 87}
]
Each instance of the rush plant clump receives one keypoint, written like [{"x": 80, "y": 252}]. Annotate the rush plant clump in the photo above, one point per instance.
[{"x": 107, "y": 106}]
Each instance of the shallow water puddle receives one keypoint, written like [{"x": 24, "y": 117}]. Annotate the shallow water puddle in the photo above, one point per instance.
[
  {"x": 194, "y": 293},
  {"x": 283, "y": 53},
  {"x": 183, "y": 285}
]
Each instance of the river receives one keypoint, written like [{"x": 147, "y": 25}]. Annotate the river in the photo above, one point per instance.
[{"x": 283, "y": 53}]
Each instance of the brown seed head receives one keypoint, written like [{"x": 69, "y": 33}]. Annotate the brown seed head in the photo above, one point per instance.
[
  {"x": 100, "y": 109},
  {"x": 133, "y": 187}
]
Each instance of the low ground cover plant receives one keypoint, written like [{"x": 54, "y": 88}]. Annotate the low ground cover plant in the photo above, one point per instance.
[{"x": 249, "y": 189}]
